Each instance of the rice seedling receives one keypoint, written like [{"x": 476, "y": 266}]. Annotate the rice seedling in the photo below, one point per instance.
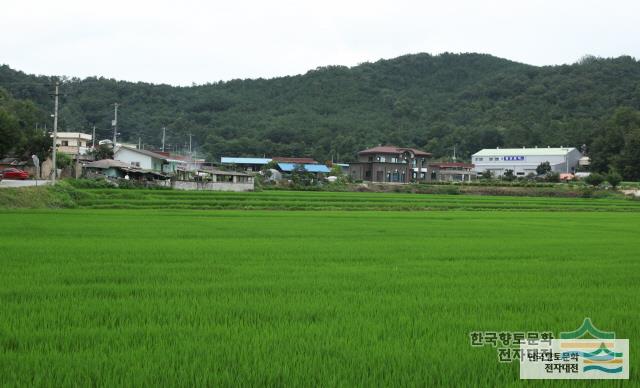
[{"x": 360, "y": 298}]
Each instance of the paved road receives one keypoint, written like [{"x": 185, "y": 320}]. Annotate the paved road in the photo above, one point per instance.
[{"x": 13, "y": 183}]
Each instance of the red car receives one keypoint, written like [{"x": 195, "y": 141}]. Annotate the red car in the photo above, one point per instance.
[{"x": 14, "y": 173}]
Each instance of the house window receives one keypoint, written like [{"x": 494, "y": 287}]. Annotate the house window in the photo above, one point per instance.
[
  {"x": 65, "y": 143},
  {"x": 135, "y": 164}
]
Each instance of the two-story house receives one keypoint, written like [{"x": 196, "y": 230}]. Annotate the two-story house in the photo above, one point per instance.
[
  {"x": 390, "y": 164},
  {"x": 73, "y": 143}
]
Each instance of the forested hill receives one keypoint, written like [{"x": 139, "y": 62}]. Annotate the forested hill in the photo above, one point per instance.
[{"x": 430, "y": 102}]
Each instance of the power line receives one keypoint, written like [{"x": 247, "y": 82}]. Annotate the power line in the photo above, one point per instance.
[{"x": 55, "y": 134}]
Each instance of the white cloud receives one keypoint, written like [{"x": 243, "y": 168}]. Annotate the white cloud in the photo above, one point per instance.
[{"x": 205, "y": 41}]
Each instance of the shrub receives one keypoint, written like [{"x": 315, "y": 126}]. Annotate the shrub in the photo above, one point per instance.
[
  {"x": 594, "y": 179},
  {"x": 614, "y": 178},
  {"x": 552, "y": 177}
]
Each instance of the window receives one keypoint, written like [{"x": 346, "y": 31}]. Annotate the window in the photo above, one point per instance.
[
  {"x": 65, "y": 143},
  {"x": 135, "y": 164}
]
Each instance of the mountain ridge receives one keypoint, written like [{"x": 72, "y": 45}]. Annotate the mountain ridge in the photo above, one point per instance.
[{"x": 433, "y": 102}]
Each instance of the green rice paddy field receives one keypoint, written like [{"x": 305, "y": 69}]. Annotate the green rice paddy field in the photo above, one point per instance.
[{"x": 162, "y": 296}]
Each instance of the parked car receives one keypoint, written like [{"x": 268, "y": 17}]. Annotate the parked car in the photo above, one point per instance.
[{"x": 14, "y": 173}]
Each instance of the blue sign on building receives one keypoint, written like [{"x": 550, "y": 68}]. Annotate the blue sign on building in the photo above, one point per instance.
[{"x": 513, "y": 158}]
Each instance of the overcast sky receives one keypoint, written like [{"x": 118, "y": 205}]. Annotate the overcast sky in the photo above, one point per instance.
[{"x": 181, "y": 42}]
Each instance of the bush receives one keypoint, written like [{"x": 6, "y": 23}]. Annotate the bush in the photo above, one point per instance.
[
  {"x": 594, "y": 179},
  {"x": 614, "y": 178},
  {"x": 63, "y": 160},
  {"x": 99, "y": 183},
  {"x": 552, "y": 177}
]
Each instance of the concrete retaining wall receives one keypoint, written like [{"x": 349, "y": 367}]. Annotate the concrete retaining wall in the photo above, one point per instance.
[{"x": 214, "y": 186}]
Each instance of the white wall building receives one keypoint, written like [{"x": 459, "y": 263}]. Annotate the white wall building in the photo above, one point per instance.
[
  {"x": 140, "y": 158},
  {"x": 73, "y": 143},
  {"x": 524, "y": 161}
]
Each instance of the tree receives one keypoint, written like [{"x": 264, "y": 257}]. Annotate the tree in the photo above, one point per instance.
[
  {"x": 594, "y": 179},
  {"x": 300, "y": 176},
  {"x": 102, "y": 151},
  {"x": 629, "y": 159},
  {"x": 8, "y": 132},
  {"x": 336, "y": 170},
  {"x": 63, "y": 160},
  {"x": 552, "y": 176},
  {"x": 543, "y": 168},
  {"x": 486, "y": 174},
  {"x": 272, "y": 165},
  {"x": 509, "y": 175},
  {"x": 614, "y": 178},
  {"x": 618, "y": 146}
]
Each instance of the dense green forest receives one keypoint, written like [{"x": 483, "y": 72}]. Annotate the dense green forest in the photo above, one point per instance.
[{"x": 469, "y": 101}]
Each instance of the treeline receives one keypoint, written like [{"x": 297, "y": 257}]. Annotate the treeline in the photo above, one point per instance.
[
  {"x": 20, "y": 134},
  {"x": 470, "y": 101}
]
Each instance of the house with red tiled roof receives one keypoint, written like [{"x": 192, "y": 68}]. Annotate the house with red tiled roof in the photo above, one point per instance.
[{"x": 390, "y": 164}]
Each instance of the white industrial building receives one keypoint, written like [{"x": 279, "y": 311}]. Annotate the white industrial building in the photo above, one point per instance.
[{"x": 524, "y": 161}]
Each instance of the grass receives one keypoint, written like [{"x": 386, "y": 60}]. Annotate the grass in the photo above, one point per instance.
[
  {"x": 295, "y": 200},
  {"x": 359, "y": 298}
]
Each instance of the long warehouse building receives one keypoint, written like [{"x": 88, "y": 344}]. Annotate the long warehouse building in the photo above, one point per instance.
[{"x": 524, "y": 161}]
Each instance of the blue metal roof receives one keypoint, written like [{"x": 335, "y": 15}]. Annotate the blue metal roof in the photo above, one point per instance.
[
  {"x": 288, "y": 167},
  {"x": 234, "y": 160}
]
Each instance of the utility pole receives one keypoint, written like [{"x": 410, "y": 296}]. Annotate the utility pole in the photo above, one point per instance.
[
  {"x": 139, "y": 140},
  {"x": 93, "y": 137},
  {"x": 114, "y": 123},
  {"x": 55, "y": 134},
  {"x": 164, "y": 130},
  {"x": 190, "y": 143}
]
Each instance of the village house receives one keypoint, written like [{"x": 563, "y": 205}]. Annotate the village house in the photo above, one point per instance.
[
  {"x": 213, "y": 179},
  {"x": 115, "y": 169},
  {"x": 256, "y": 164},
  {"x": 390, "y": 164},
  {"x": 451, "y": 172},
  {"x": 146, "y": 160},
  {"x": 73, "y": 143}
]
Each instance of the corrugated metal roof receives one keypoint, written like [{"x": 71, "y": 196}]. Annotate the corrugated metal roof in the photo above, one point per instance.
[
  {"x": 288, "y": 167},
  {"x": 392, "y": 150},
  {"x": 524, "y": 151},
  {"x": 234, "y": 160},
  {"x": 282, "y": 159},
  {"x": 142, "y": 152}
]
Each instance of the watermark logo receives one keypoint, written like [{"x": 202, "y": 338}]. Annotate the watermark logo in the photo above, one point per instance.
[{"x": 584, "y": 353}]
